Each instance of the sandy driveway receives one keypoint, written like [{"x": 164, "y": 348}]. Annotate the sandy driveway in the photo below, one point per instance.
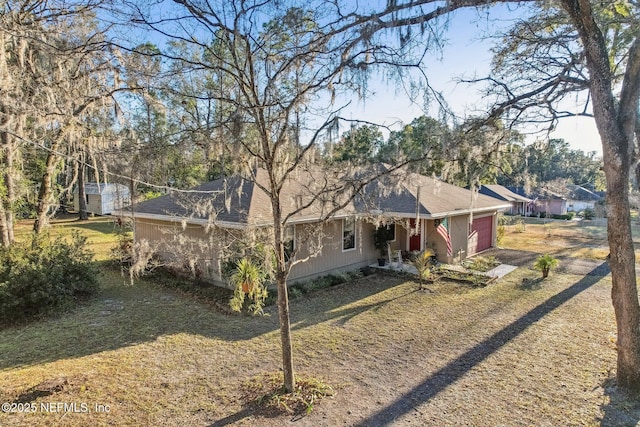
[{"x": 568, "y": 265}]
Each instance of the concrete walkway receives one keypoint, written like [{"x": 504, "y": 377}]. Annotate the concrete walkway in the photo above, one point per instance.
[{"x": 501, "y": 270}]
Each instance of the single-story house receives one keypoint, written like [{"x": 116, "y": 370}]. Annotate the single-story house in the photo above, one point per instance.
[
  {"x": 103, "y": 198},
  {"x": 520, "y": 205},
  {"x": 544, "y": 201},
  {"x": 581, "y": 198},
  {"x": 201, "y": 226}
]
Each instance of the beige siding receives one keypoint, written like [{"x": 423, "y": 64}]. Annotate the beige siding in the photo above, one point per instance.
[
  {"x": 95, "y": 204},
  {"x": 331, "y": 257},
  {"x": 204, "y": 248},
  {"x": 195, "y": 244},
  {"x": 459, "y": 232},
  {"x": 401, "y": 242},
  {"x": 179, "y": 246}
]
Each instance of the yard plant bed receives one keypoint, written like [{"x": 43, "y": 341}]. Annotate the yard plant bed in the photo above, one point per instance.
[{"x": 474, "y": 278}]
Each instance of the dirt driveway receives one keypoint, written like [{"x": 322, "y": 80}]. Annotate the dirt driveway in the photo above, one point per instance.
[{"x": 569, "y": 265}]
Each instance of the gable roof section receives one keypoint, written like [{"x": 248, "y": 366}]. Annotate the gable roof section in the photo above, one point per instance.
[
  {"x": 229, "y": 200},
  {"x": 429, "y": 197},
  {"x": 237, "y": 202},
  {"x": 502, "y": 193}
]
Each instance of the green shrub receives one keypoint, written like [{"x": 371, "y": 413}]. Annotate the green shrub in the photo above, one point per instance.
[
  {"x": 519, "y": 226},
  {"x": 500, "y": 233},
  {"x": 588, "y": 214},
  {"x": 295, "y": 292},
  {"x": 41, "y": 275},
  {"x": 354, "y": 275},
  {"x": 480, "y": 263},
  {"x": 248, "y": 280},
  {"x": 567, "y": 216},
  {"x": 545, "y": 263}
]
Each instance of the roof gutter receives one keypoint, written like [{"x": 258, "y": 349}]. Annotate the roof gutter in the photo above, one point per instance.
[
  {"x": 239, "y": 226},
  {"x": 178, "y": 219}
]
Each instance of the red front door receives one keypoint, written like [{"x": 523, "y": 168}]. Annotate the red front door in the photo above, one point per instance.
[{"x": 414, "y": 239}]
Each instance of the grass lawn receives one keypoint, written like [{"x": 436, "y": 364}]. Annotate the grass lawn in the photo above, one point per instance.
[
  {"x": 508, "y": 354},
  {"x": 582, "y": 239},
  {"x": 100, "y": 232}
]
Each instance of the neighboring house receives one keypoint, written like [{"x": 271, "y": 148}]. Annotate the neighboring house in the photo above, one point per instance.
[
  {"x": 103, "y": 198},
  {"x": 551, "y": 204},
  {"x": 581, "y": 198},
  {"x": 207, "y": 222},
  {"x": 544, "y": 201},
  {"x": 520, "y": 205}
]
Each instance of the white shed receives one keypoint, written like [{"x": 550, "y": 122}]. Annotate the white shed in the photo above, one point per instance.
[{"x": 103, "y": 198}]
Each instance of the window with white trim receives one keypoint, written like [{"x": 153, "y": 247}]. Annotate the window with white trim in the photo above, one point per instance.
[{"x": 348, "y": 234}]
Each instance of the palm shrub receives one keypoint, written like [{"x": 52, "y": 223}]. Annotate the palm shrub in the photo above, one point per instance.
[
  {"x": 41, "y": 275},
  {"x": 248, "y": 281},
  {"x": 422, "y": 262},
  {"x": 545, "y": 263}
]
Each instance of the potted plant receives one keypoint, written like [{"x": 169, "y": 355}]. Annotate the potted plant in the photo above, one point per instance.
[{"x": 381, "y": 238}]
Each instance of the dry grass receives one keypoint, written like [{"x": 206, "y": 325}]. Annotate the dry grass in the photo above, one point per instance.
[
  {"x": 514, "y": 353},
  {"x": 579, "y": 239}
]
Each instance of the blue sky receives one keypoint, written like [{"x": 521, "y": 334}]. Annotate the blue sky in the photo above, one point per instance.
[{"x": 465, "y": 55}]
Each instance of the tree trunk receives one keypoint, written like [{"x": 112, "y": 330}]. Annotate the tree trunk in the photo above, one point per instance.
[
  {"x": 9, "y": 200},
  {"x": 46, "y": 190},
  {"x": 82, "y": 197},
  {"x": 11, "y": 193},
  {"x": 4, "y": 234},
  {"x": 285, "y": 332},
  {"x": 616, "y": 122},
  {"x": 283, "y": 296},
  {"x": 624, "y": 292}
]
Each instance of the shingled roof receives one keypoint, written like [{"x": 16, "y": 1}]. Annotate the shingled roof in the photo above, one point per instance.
[
  {"x": 502, "y": 193},
  {"x": 239, "y": 202},
  {"x": 430, "y": 197}
]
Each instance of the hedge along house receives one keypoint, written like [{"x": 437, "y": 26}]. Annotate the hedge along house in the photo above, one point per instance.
[
  {"x": 103, "y": 198},
  {"x": 216, "y": 221}
]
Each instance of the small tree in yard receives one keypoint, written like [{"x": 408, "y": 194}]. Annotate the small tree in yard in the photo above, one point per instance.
[
  {"x": 423, "y": 262},
  {"x": 545, "y": 264}
]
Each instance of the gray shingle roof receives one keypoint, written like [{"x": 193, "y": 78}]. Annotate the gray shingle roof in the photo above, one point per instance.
[
  {"x": 240, "y": 201},
  {"x": 503, "y": 193},
  {"x": 433, "y": 197}
]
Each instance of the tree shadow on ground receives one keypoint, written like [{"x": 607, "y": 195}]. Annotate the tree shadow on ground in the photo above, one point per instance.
[
  {"x": 530, "y": 284},
  {"x": 452, "y": 372},
  {"x": 105, "y": 225},
  {"x": 622, "y": 409},
  {"x": 122, "y": 315},
  {"x": 342, "y": 316}
]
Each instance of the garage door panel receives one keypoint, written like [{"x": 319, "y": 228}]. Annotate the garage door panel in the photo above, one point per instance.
[{"x": 481, "y": 234}]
